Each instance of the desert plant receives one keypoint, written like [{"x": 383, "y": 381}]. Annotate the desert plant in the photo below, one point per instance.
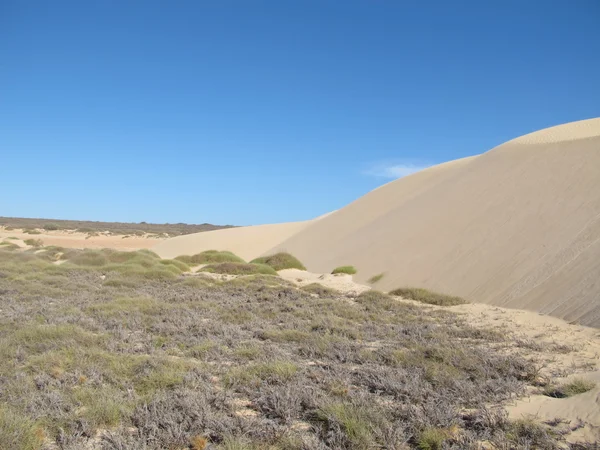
[
  {"x": 34, "y": 242},
  {"x": 31, "y": 231},
  {"x": 51, "y": 227},
  {"x": 280, "y": 261},
  {"x": 573, "y": 387},
  {"x": 426, "y": 296},
  {"x": 350, "y": 270},
  {"x": 375, "y": 278},
  {"x": 236, "y": 268},
  {"x": 210, "y": 257}
]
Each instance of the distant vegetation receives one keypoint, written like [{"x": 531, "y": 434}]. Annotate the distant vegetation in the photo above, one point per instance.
[
  {"x": 280, "y": 261},
  {"x": 350, "y": 270},
  {"x": 237, "y": 268},
  {"x": 209, "y": 257},
  {"x": 375, "y": 278},
  {"x": 425, "y": 296},
  {"x": 119, "y": 228}
]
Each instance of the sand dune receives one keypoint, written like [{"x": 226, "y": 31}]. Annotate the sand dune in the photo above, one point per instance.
[
  {"x": 518, "y": 226},
  {"x": 246, "y": 242}
]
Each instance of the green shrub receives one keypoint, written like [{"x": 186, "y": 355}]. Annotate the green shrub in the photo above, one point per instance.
[
  {"x": 51, "y": 227},
  {"x": 280, "y": 261},
  {"x": 173, "y": 262},
  {"x": 429, "y": 297},
  {"x": 573, "y": 387},
  {"x": 34, "y": 242},
  {"x": 350, "y": 270},
  {"x": 210, "y": 257},
  {"x": 433, "y": 439},
  {"x": 93, "y": 258},
  {"x": 235, "y": 268},
  {"x": 375, "y": 278}
]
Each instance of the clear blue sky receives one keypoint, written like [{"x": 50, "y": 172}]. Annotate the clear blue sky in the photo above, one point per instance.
[{"x": 252, "y": 112}]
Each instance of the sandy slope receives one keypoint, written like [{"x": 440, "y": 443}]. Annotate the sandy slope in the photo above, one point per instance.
[
  {"x": 246, "y": 242},
  {"x": 518, "y": 226}
]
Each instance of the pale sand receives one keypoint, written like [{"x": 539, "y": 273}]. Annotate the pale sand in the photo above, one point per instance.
[
  {"x": 518, "y": 226},
  {"x": 246, "y": 242},
  {"x": 73, "y": 239}
]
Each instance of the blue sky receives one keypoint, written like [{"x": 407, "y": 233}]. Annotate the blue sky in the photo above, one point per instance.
[{"x": 252, "y": 112}]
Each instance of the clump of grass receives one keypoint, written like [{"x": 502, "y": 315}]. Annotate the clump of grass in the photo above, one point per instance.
[
  {"x": 236, "y": 268},
  {"x": 210, "y": 257},
  {"x": 17, "y": 432},
  {"x": 352, "y": 421},
  {"x": 94, "y": 258},
  {"x": 280, "y": 261},
  {"x": 8, "y": 246},
  {"x": 31, "y": 231},
  {"x": 350, "y": 270},
  {"x": 272, "y": 373},
  {"x": 433, "y": 439},
  {"x": 173, "y": 262},
  {"x": 429, "y": 297},
  {"x": 573, "y": 387},
  {"x": 34, "y": 242},
  {"x": 375, "y": 278},
  {"x": 318, "y": 289}
]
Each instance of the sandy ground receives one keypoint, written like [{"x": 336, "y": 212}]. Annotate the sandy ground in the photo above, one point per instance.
[
  {"x": 246, "y": 242},
  {"x": 73, "y": 239}
]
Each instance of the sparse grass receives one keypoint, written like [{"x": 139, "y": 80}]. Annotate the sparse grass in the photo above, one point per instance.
[
  {"x": 375, "y": 278},
  {"x": 18, "y": 432},
  {"x": 429, "y": 297},
  {"x": 31, "y": 231},
  {"x": 210, "y": 257},
  {"x": 8, "y": 246},
  {"x": 350, "y": 270},
  {"x": 34, "y": 242},
  {"x": 233, "y": 268},
  {"x": 569, "y": 389},
  {"x": 280, "y": 261}
]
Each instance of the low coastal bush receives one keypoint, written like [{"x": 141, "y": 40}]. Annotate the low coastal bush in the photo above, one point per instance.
[
  {"x": 350, "y": 270},
  {"x": 426, "y": 296},
  {"x": 280, "y": 261}
]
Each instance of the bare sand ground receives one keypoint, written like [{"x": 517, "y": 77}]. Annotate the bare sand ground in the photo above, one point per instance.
[
  {"x": 518, "y": 226},
  {"x": 246, "y": 242},
  {"x": 73, "y": 239}
]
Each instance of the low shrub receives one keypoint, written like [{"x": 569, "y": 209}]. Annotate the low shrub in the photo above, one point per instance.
[
  {"x": 236, "y": 268},
  {"x": 573, "y": 387},
  {"x": 280, "y": 261},
  {"x": 210, "y": 257},
  {"x": 375, "y": 278},
  {"x": 34, "y": 242},
  {"x": 350, "y": 270},
  {"x": 429, "y": 297},
  {"x": 51, "y": 227}
]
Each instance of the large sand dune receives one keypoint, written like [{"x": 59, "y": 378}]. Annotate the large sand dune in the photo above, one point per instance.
[{"x": 518, "y": 226}]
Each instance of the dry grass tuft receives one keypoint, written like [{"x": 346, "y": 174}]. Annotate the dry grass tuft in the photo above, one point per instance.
[
  {"x": 280, "y": 261},
  {"x": 426, "y": 296}
]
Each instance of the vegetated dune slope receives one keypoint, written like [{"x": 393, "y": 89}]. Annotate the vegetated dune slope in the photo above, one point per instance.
[
  {"x": 518, "y": 226},
  {"x": 246, "y": 242}
]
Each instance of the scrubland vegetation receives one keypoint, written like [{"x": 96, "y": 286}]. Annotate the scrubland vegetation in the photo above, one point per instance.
[
  {"x": 429, "y": 297},
  {"x": 172, "y": 229},
  {"x": 115, "y": 350}
]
